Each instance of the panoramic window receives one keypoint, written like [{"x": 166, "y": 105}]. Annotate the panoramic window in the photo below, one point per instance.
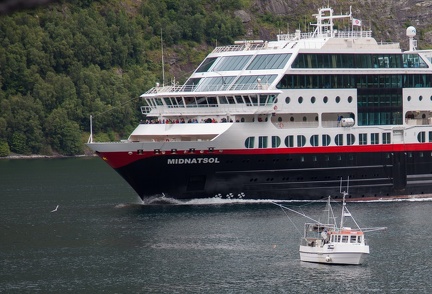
[
  {"x": 253, "y": 82},
  {"x": 413, "y": 60},
  {"x": 214, "y": 84},
  {"x": 207, "y": 63},
  {"x": 229, "y": 63},
  {"x": 269, "y": 61}
]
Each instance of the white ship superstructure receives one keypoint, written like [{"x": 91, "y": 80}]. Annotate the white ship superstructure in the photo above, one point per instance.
[{"x": 286, "y": 119}]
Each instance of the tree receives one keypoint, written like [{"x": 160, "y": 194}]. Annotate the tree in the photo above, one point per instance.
[
  {"x": 4, "y": 149},
  {"x": 64, "y": 135}
]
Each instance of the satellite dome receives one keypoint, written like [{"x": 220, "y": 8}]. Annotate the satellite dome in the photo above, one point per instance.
[{"x": 411, "y": 31}]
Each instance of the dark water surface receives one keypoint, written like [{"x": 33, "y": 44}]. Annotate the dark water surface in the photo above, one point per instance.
[{"x": 102, "y": 240}]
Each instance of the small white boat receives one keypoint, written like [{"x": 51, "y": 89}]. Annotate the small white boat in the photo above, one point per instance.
[{"x": 332, "y": 244}]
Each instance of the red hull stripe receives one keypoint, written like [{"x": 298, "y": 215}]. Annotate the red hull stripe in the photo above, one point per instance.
[{"x": 119, "y": 159}]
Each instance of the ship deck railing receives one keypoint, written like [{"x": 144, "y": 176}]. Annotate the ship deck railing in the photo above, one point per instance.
[
  {"x": 249, "y": 45},
  {"x": 210, "y": 109},
  {"x": 207, "y": 88}
]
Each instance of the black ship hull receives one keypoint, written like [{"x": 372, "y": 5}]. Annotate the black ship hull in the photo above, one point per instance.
[{"x": 373, "y": 175}]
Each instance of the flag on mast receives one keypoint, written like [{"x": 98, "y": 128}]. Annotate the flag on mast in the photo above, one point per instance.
[{"x": 356, "y": 22}]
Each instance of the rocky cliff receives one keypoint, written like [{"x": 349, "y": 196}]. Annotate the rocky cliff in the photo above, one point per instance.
[{"x": 388, "y": 19}]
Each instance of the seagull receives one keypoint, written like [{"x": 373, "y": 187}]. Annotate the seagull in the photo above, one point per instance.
[{"x": 55, "y": 209}]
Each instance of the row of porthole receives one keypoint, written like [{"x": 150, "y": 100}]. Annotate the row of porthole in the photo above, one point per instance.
[
  {"x": 313, "y": 99},
  {"x": 337, "y": 99},
  {"x": 292, "y": 118},
  {"x": 420, "y": 98}
]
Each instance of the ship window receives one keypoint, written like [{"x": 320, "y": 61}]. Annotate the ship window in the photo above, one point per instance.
[
  {"x": 374, "y": 138},
  {"x": 239, "y": 99},
  {"x": 326, "y": 140},
  {"x": 276, "y": 141},
  {"x": 413, "y": 60},
  {"x": 409, "y": 98},
  {"x": 350, "y": 139},
  {"x": 325, "y": 99},
  {"x": 338, "y": 238},
  {"x": 168, "y": 101},
  {"x": 313, "y": 99},
  {"x": 262, "y": 141},
  {"x": 350, "y": 99},
  {"x": 360, "y": 81},
  {"x": 420, "y": 98},
  {"x": 223, "y": 100},
  {"x": 386, "y": 138},
  {"x": 421, "y": 137},
  {"x": 430, "y": 136},
  {"x": 228, "y": 63},
  {"x": 179, "y": 101},
  {"x": 363, "y": 139},
  {"x": 288, "y": 100},
  {"x": 339, "y": 139},
  {"x": 289, "y": 141},
  {"x": 353, "y": 239},
  {"x": 337, "y": 99},
  {"x": 300, "y": 100},
  {"x": 253, "y": 82},
  {"x": 314, "y": 140},
  {"x": 207, "y": 63},
  {"x": 269, "y": 61},
  {"x": 344, "y": 239},
  {"x": 359, "y": 240},
  {"x": 214, "y": 84},
  {"x": 301, "y": 140},
  {"x": 250, "y": 142}
]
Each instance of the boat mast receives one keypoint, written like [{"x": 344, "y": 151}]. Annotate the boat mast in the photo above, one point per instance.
[
  {"x": 163, "y": 63},
  {"x": 344, "y": 193}
]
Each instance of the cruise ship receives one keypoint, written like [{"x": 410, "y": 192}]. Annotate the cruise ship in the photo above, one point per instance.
[{"x": 287, "y": 119}]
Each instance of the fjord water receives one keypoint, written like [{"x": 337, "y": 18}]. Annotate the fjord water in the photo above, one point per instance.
[{"x": 101, "y": 239}]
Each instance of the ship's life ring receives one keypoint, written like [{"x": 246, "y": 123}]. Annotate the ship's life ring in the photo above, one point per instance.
[
  {"x": 281, "y": 125},
  {"x": 275, "y": 107}
]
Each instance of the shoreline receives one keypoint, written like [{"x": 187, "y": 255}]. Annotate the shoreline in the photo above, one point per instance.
[{"x": 37, "y": 156}]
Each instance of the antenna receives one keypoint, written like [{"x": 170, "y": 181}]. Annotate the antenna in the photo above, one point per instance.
[{"x": 163, "y": 63}]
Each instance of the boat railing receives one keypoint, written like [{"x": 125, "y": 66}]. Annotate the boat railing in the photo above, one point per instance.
[
  {"x": 207, "y": 109},
  {"x": 208, "y": 88},
  {"x": 242, "y": 47}
]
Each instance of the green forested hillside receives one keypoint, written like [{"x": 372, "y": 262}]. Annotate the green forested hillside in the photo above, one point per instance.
[{"x": 62, "y": 62}]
